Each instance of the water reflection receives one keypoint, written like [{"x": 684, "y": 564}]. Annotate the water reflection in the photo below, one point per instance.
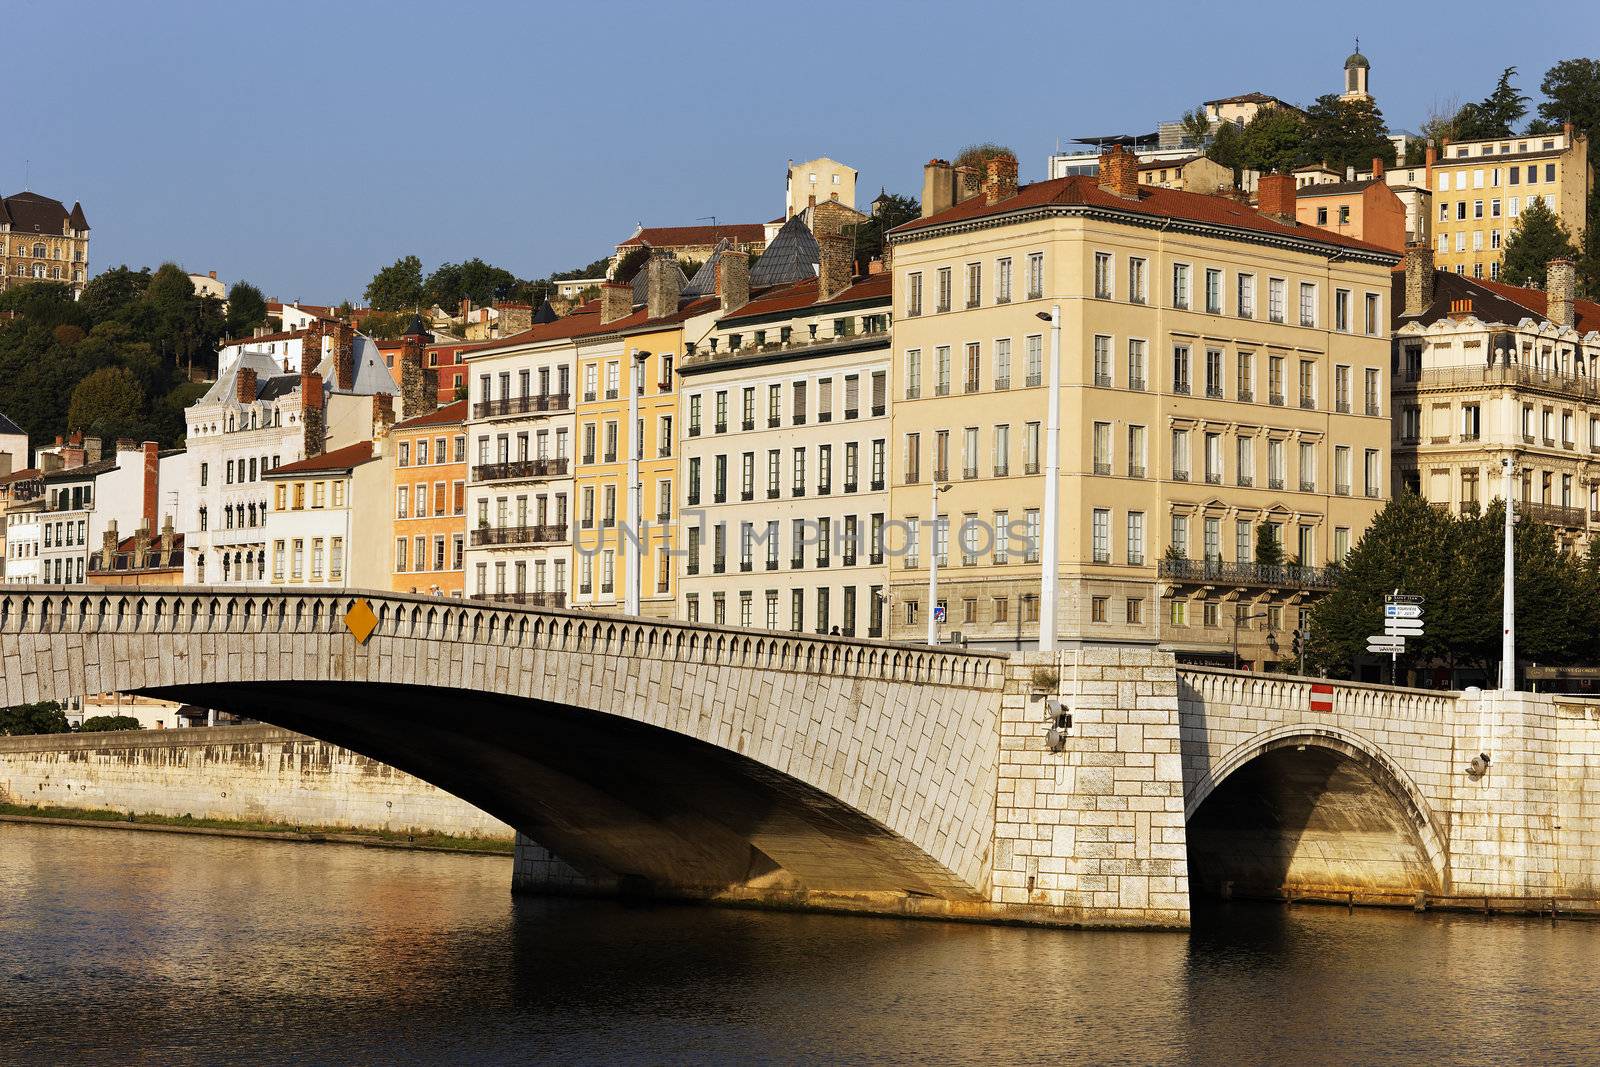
[{"x": 128, "y": 947}]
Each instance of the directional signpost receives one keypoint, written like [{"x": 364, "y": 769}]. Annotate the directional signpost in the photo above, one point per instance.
[{"x": 1402, "y": 618}]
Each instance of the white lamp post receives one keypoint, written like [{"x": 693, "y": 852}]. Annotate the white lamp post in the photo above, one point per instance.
[
  {"x": 631, "y": 538},
  {"x": 1508, "y": 643},
  {"x": 933, "y": 561},
  {"x": 1052, "y": 487}
]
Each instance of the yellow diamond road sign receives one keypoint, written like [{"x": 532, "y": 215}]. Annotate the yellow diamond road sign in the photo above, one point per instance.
[{"x": 361, "y": 621}]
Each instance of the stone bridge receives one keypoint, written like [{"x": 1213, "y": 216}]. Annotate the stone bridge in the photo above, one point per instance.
[{"x": 678, "y": 760}]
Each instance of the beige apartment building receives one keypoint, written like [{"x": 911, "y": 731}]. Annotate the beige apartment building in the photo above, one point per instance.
[
  {"x": 785, "y": 458},
  {"x": 1481, "y": 187},
  {"x": 1221, "y": 367},
  {"x": 1491, "y": 372}
]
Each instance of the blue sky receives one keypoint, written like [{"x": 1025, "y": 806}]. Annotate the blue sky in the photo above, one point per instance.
[{"x": 301, "y": 146}]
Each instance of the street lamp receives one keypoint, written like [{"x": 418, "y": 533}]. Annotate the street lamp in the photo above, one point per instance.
[
  {"x": 1052, "y": 487},
  {"x": 1508, "y": 622},
  {"x": 1237, "y": 618},
  {"x": 635, "y": 488},
  {"x": 933, "y": 561}
]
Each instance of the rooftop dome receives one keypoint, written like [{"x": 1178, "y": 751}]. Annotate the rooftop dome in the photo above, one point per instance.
[{"x": 1357, "y": 60}]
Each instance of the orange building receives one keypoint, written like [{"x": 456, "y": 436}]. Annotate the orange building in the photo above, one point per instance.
[
  {"x": 428, "y": 464},
  {"x": 1367, "y": 210}
]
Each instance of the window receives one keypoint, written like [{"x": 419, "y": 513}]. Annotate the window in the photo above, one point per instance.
[
  {"x": 1035, "y": 358},
  {"x": 1180, "y": 369},
  {"x": 1308, "y": 383},
  {"x": 941, "y": 366},
  {"x": 1371, "y": 323},
  {"x": 1213, "y": 459},
  {"x": 914, "y": 294},
  {"x": 1373, "y": 473},
  {"x": 1136, "y": 538},
  {"x": 1102, "y": 535},
  {"x": 1341, "y": 310},
  {"x": 1134, "y": 611},
  {"x": 1136, "y": 280},
  {"x": 1308, "y": 304},
  {"x": 1214, "y": 373},
  {"x": 974, "y": 284},
  {"x": 973, "y": 368},
  {"x": 1275, "y": 464},
  {"x": 943, "y": 295},
  {"x": 1136, "y": 350},
  {"x": 913, "y": 374},
  {"x": 1308, "y": 467},
  {"x": 1102, "y": 360},
  {"x": 1247, "y": 296},
  {"x": 1180, "y": 455},
  {"x": 1035, "y": 275},
  {"x": 1002, "y": 281},
  {"x": 1213, "y": 291},
  {"x": 1245, "y": 461},
  {"x": 1276, "y": 295},
  {"x": 1002, "y": 363},
  {"x": 1180, "y": 286},
  {"x": 1102, "y": 448},
  {"x": 1102, "y": 275}
]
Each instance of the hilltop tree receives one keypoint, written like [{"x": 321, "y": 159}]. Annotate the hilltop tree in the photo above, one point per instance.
[
  {"x": 396, "y": 287},
  {"x": 46, "y": 717},
  {"x": 1273, "y": 141},
  {"x": 1347, "y": 133},
  {"x": 893, "y": 211},
  {"x": 631, "y": 263},
  {"x": 1538, "y": 238},
  {"x": 1497, "y": 115},
  {"x": 1196, "y": 126},
  {"x": 978, "y": 155},
  {"x": 474, "y": 279},
  {"x": 108, "y": 403},
  {"x": 1572, "y": 94},
  {"x": 247, "y": 309}
]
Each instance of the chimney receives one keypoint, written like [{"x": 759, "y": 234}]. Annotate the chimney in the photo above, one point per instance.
[
  {"x": 1119, "y": 172},
  {"x": 1001, "y": 182},
  {"x": 382, "y": 419},
  {"x": 1560, "y": 285},
  {"x": 311, "y": 345},
  {"x": 108, "y": 546},
  {"x": 1377, "y": 167},
  {"x": 830, "y": 217},
  {"x": 244, "y": 386},
  {"x": 514, "y": 318},
  {"x": 733, "y": 280},
  {"x": 125, "y": 444},
  {"x": 834, "y": 272},
  {"x": 466, "y": 308},
  {"x": 92, "y": 449},
  {"x": 213, "y": 275},
  {"x": 875, "y": 266},
  {"x": 1461, "y": 309},
  {"x": 344, "y": 355},
  {"x": 1275, "y": 196},
  {"x": 663, "y": 283},
  {"x": 938, "y": 186},
  {"x": 616, "y": 301},
  {"x": 313, "y": 417},
  {"x": 152, "y": 484},
  {"x": 259, "y": 331},
  {"x": 1419, "y": 278},
  {"x": 969, "y": 183},
  {"x": 415, "y": 396},
  {"x": 51, "y": 461}
]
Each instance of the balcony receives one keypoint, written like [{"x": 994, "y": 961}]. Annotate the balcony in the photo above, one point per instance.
[
  {"x": 773, "y": 422},
  {"x": 1553, "y": 514},
  {"x": 1001, "y": 470},
  {"x": 1002, "y": 382},
  {"x": 722, "y": 427},
  {"x": 1135, "y": 470},
  {"x": 1216, "y": 572},
  {"x": 522, "y": 405},
  {"x": 773, "y": 492},
  {"x": 1307, "y": 487},
  {"x": 1031, "y": 468},
  {"x": 1246, "y": 396},
  {"x": 1372, "y": 491},
  {"x": 1136, "y": 384},
  {"x": 941, "y": 474},
  {"x": 1341, "y": 489},
  {"x": 1102, "y": 467},
  {"x": 1246, "y": 481},
  {"x": 1103, "y": 381},
  {"x": 1372, "y": 408},
  {"x": 824, "y": 416},
  {"x": 1035, "y": 379},
  {"x": 969, "y": 473},
  {"x": 1180, "y": 388},
  {"x": 521, "y": 468},
  {"x": 1342, "y": 406},
  {"x": 694, "y": 431},
  {"x": 1276, "y": 400},
  {"x": 942, "y": 389},
  {"x": 548, "y": 533},
  {"x": 1180, "y": 476},
  {"x": 1309, "y": 403},
  {"x": 852, "y": 413},
  {"x": 850, "y": 487},
  {"x": 970, "y": 386},
  {"x": 748, "y": 424},
  {"x": 747, "y": 494},
  {"x": 1214, "y": 392},
  {"x": 1275, "y": 483},
  {"x": 879, "y": 410},
  {"x": 1213, "y": 477},
  {"x": 611, "y": 394},
  {"x": 533, "y": 600}
]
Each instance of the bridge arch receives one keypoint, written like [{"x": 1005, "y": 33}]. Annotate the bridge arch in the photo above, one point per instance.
[{"x": 1307, "y": 807}]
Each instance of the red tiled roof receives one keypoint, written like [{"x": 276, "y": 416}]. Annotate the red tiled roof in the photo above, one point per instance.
[
  {"x": 1586, "y": 313},
  {"x": 583, "y": 319},
  {"x": 20, "y": 476},
  {"x": 640, "y": 320},
  {"x": 339, "y": 459},
  {"x": 674, "y": 236},
  {"x": 450, "y": 414},
  {"x": 1084, "y": 191},
  {"x": 803, "y": 294}
]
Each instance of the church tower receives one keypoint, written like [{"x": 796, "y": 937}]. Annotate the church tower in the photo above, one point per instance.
[{"x": 1356, "y": 71}]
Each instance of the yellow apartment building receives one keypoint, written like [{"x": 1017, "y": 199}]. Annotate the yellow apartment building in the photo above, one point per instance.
[
  {"x": 1221, "y": 367},
  {"x": 1480, "y": 188}
]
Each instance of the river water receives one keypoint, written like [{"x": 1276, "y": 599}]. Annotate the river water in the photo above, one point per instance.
[{"x": 125, "y": 947}]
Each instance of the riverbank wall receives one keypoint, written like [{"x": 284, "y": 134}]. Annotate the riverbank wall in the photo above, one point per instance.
[{"x": 251, "y": 774}]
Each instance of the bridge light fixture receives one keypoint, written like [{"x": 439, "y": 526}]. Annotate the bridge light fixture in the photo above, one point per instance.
[
  {"x": 1060, "y": 724},
  {"x": 1479, "y": 765}
]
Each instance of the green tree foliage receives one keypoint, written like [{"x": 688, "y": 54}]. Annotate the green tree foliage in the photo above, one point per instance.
[
  {"x": 397, "y": 286},
  {"x": 247, "y": 309},
  {"x": 1347, "y": 133},
  {"x": 1589, "y": 254},
  {"x": 108, "y": 403},
  {"x": 43, "y": 718},
  {"x": 1538, "y": 238},
  {"x": 1273, "y": 141},
  {"x": 476, "y": 280},
  {"x": 893, "y": 211},
  {"x": 1196, "y": 126},
  {"x": 978, "y": 155},
  {"x": 98, "y": 723},
  {"x": 1497, "y": 115},
  {"x": 1269, "y": 550},
  {"x": 1455, "y": 564},
  {"x": 597, "y": 269},
  {"x": 632, "y": 261},
  {"x": 1571, "y": 91}
]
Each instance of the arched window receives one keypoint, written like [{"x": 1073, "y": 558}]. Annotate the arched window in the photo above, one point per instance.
[
  {"x": 38, "y": 250},
  {"x": 38, "y": 271}
]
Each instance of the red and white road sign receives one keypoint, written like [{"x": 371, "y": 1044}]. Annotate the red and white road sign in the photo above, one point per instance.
[{"x": 1321, "y": 697}]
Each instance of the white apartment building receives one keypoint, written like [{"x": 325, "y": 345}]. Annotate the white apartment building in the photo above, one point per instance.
[
  {"x": 24, "y": 536},
  {"x": 785, "y": 462},
  {"x": 254, "y": 419},
  {"x": 81, "y": 503},
  {"x": 330, "y": 519},
  {"x": 520, "y": 428}
]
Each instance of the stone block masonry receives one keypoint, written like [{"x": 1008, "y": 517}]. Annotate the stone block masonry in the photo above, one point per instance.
[
  {"x": 1093, "y": 834},
  {"x": 245, "y": 773}
]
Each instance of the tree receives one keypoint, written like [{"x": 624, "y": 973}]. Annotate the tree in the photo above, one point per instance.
[
  {"x": 1497, "y": 115},
  {"x": 247, "y": 309},
  {"x": 1538, "y": 238},
  {"x": 1196, "y": 126},
  {"x": 1274, "y": 141},
  {"x": 1269, "y": 550},
  {"x": 1589, "y": 254},
  {"x": 597, "y": 269},
  {"x": 397, "y": 286},
  {"x": 632, "y": 261},
  {"x": 978, "y": 155},
  {"x": 97, "y": 723},
  {"x": 476, "y": 280},
  {"x": 108, "y": 403},
  {"x": 1347, "y": 133},
  {"x": 42, "y": 718},
  {"x": 888, "y": 212},
  {"x": 1572, "y": 94},
  {"x": 114, "y": 292},
  {"x": 1440, "y": 124},
  {"x": 48, "y": 304}
]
